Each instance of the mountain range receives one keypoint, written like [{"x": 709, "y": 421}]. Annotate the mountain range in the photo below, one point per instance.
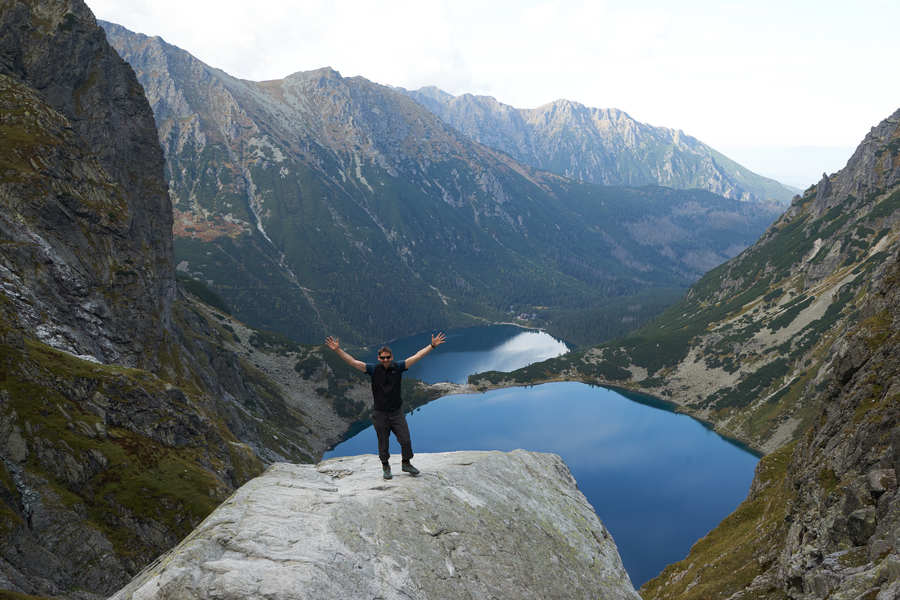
[
  {"x": 320, "y": 204},
  {"x": 132, "y": 403},
  {"x": 599, "y": 145}
]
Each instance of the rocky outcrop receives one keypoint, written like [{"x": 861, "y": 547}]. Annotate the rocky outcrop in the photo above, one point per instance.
[
  {"x": 102, "y": 467},
  {"x": 843, "y": 540},
  {"x": 87, "y": 220},
  {"x": 599, "y": 145},
  {"x": 473, "y": 525},
  {"x": 100, "y": 470}
]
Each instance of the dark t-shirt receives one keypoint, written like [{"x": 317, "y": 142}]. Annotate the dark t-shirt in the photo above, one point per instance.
[{"x": 386, "y": 384}]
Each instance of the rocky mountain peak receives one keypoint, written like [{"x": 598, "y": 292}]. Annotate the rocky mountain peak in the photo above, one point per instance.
[
  {"x": 563, "y": 104},
  {"x": 436, "y": 93},
  {"x": 874, "y": 166},
  {"x": 599, "y": 145},
  {"x": 873, "y": 169},
  {"x": 562, "y": 112},
  {"x": 320, "y": 74}
]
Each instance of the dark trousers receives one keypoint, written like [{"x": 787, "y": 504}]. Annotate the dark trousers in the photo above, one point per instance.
[{"x": 386, "y": 422}]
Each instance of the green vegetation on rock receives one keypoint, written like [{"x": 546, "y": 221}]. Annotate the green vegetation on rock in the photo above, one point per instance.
[
  {"x": 121, "y": 443},
  {"x": 728, "y": 559}
]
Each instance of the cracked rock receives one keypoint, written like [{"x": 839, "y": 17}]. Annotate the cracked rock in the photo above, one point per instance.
[{"x": 473, "y": 525}]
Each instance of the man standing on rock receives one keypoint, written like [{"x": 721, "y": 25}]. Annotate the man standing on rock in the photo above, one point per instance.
[{"x": 387, "y": 415}]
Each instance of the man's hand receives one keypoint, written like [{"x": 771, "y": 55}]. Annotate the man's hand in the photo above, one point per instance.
[
  {"x": 335, "y": 344},
  {"x": 436, "y": 340}
]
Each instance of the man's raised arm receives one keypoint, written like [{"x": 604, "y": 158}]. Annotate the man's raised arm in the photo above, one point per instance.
[
  {"x": 335, "y": 345},
  {"x": 436, "y": 340}
]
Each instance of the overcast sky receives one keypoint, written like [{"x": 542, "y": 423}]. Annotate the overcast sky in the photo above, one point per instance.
[{"x": 787, "y": 88}]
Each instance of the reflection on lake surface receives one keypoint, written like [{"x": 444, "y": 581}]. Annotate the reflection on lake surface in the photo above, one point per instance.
[
  {"x": 475, "y": 350},
  {"x": 658, "y": 480}
]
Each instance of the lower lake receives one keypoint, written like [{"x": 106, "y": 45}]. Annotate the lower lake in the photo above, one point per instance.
[{"x": 658, "y": 480}]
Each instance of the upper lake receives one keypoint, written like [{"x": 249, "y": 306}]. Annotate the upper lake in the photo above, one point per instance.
[{"x": 658, "y": 480}]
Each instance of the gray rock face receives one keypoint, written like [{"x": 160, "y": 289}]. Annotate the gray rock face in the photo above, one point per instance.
[
  {"x": 473, "y": 525},
  {"x": 844, "y": 535},
  {"x": 102, "y": 466},
  {"x": 599, "y": 145},
  {"x": 82, "y": 189}
]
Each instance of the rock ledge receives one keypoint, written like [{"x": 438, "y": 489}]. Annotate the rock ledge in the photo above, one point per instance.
[{"x": 473, "y": 525}]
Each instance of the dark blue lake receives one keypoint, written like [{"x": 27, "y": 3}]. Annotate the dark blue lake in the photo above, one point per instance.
[
  {"x": 475, "y": 350},
  {"x": 659, "y": 481}
]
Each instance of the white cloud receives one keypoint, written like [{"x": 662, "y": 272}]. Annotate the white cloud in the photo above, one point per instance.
[{"x": 766, "y": 73}]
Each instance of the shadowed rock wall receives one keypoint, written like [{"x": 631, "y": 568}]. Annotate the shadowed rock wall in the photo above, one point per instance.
[{"x": 86, "y": 215}]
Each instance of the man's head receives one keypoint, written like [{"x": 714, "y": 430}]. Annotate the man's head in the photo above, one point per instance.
[{"x": 385, "y": 356}]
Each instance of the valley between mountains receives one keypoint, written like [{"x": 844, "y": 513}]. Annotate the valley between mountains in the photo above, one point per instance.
[{"x": 294, "y": 198}]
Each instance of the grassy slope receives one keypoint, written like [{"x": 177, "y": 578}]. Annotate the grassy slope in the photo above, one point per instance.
[
  {"x": 753, "y": 332},
  {"x": 120, "y": 445},
  {"x": 813, "y": 481}
]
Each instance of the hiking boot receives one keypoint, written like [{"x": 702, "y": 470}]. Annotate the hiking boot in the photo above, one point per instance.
[
  {"x": 408, "y": 468},
  {"x": 386, "y": 471}
]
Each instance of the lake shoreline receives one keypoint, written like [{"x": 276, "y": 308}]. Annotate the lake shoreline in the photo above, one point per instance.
[
  {"x": 486, "y": 323},
  {"x": 446, "y": 388}
]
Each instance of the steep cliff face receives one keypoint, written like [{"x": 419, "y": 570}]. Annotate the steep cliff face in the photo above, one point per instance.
[
  {"x": 304, "y": 198},
  {"x": 599, "y": 145},
  {"x": 103, "y": 467},
  {"x": 822, "y": 519},
  {"x": 89, "y": 252},
  {"x": 128, "y": 409},
  {"x": 473, "y": 525}
]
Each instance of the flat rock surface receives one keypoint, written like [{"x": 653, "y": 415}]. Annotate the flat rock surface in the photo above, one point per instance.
[{"x": 472, "y": 525}]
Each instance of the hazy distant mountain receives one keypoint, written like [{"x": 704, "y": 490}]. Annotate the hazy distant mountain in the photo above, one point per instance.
[
  {"x": 319, "y": 203},
  {"x": 599, "y": 145}
]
